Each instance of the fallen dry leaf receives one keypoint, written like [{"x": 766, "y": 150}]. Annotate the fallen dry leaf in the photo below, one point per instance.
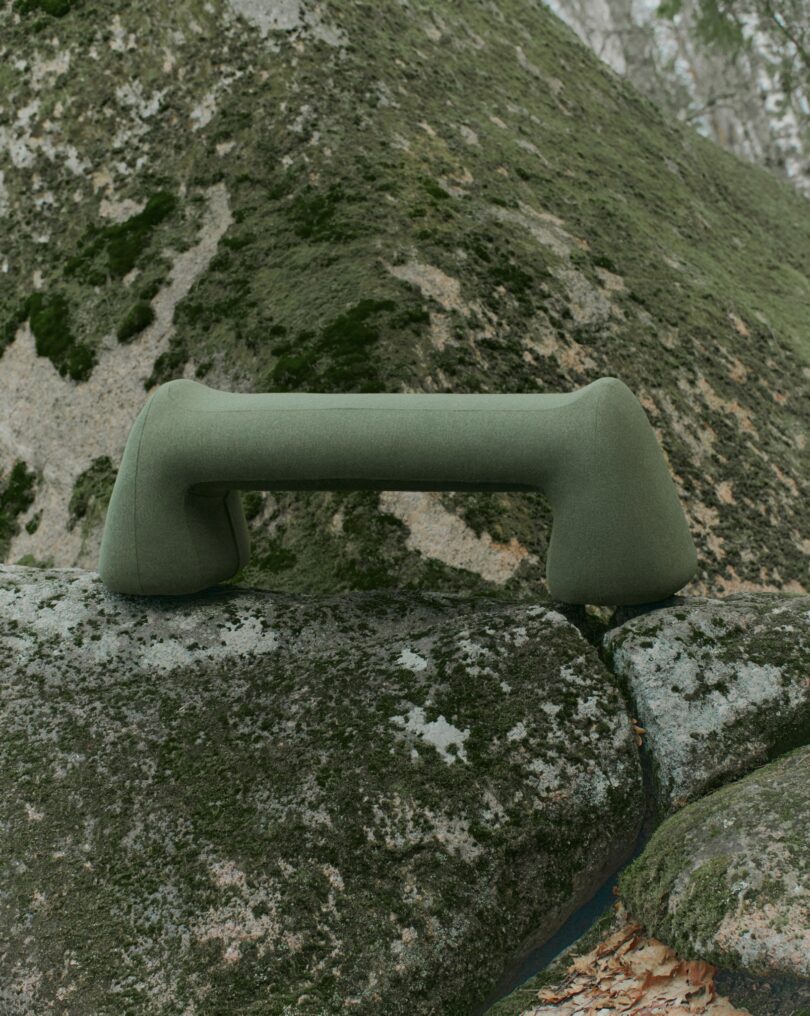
[
  {"x": 699, "y": 972},
  {"x": 635, "y": 975}
]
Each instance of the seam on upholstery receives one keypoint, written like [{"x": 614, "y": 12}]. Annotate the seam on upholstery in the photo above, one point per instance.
[
  {"x": 572, "y": 397},
  {"x": 369, "y": 409},
  {"x": 135, "y": 493}
]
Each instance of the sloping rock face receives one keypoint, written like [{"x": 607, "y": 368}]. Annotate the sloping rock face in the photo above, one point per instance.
[
  {"x": 290, "y": 195},
  {"x": 727, "y": 879},
  {"x": 720, "y": 686},
  {"x": 263, "y": 802}
]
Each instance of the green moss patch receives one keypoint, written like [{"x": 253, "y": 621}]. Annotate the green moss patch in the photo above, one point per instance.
[
  {"x": 16, "y": 497},
  {"x": 49, "y": 317},
  {"x": 736, "y": 858},
  {"x": 56, "y": 8},
  {"x": 91, "y": 493},
  {"x": 138, "y": 317},
  {"x": 112, "y": 251}
]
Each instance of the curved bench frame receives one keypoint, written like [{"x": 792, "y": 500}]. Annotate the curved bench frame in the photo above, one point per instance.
[{"x": 175, "y": 522}]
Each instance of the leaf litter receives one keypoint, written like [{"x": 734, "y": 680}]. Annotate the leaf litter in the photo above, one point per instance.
[{"x": 630, "y": 973}]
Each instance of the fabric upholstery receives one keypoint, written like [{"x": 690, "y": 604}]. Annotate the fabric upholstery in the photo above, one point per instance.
[{"x": 175, "y": 522}]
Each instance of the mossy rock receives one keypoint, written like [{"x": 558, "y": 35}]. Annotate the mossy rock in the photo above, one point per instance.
[
  {"x": 91, "y": 493},
  {"x": 247, "y": 801},
  {"x": 138, "y": 317},
  {"x": 17, "y": 492},
  {"x": 719, "y": 686},
  {"x": 519, "y": 218},
  {"x": 727, "y": 879}
]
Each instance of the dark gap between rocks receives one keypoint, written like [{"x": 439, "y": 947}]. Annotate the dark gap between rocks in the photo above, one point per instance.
[{"x": 593, "y": 627}]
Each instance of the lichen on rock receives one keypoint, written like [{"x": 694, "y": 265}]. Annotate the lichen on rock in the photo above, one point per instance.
[
  {"x": 727, "y": 879},
  {"x": 411, "y": 206},
  {"x": 719, "y": 686},
  {"x": 248, "y": 798}
]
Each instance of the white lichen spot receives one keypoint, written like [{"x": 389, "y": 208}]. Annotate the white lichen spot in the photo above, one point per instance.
[
  {"x": 289, "y": 16},
  {"x": 518, "y": 732},
  {"x": 334, "y": 877},
  {"x": 439, "y": 733},
  {"x": 131, "y": 95},
  {"x": 226, "y": 873},
  {"x": 47, "y": 71},
  {"x": 519, "y": 635},
  {"x": 121, "y": 39},
  {"x": 203, "y": 112},
  {"x": 550, "y": 776},
  {"x": 412, "y": 661},
  {"x": 472, "y": 650}
]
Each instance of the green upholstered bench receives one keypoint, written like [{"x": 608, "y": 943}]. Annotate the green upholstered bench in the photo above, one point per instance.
[{"x": 175, "y": 522}]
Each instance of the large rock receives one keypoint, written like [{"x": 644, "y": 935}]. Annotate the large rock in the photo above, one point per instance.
[
  {"x": 418, "y": 195},
  {"x": 727, "y": 879},
  {"x": 259, "y": 802},
  {"x": 719, "y": 685}
]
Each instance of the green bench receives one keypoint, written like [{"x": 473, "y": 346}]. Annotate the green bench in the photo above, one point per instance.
[{"x": 175, "y": 522}]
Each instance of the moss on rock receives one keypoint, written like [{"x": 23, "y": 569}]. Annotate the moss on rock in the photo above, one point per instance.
[
  {"x": 727, "y": 879},
  {"x": 443, "y": 159},
  {"x": 16, "y": 497},
  {"x": 719, "y": 685},
  {"x": 91, "y": 493},
  {"x": 138, "y": 317},
  {"x": 248, "y": 800}
]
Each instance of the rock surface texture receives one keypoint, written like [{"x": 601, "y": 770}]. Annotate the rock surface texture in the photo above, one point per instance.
[
  {"x": 260, "y": 802},
  {"x": 423, "y": 195},
  {"x": 727, "y": 879},
  {"x": 720, "y": 686}
]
